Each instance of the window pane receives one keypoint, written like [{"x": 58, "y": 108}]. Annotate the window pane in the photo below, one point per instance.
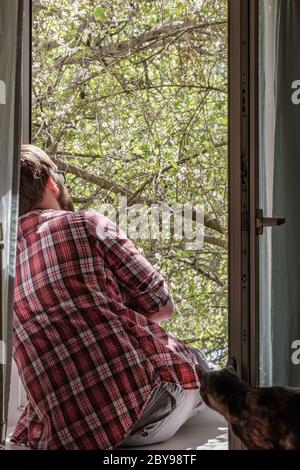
[{"x": 279, "y": 191}]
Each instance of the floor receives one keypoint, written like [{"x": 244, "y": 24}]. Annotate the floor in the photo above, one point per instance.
[{"x": 207, "y": 431}]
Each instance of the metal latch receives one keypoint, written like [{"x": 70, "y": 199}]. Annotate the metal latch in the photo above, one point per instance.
[{"x": 262, "y": 222}]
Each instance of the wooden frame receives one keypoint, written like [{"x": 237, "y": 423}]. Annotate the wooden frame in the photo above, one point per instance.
[
  {"x": 243, "y": 153},
  {"x": 26, "y": 73}
]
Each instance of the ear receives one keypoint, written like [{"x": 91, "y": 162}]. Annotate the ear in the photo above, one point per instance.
[
  {"x": 52, "y": 186},
  {"x": 232, "y": 362},
  {"x": 201, "y": 373}
]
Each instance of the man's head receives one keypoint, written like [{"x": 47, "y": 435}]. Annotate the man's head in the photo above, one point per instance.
[{"x": 41, "y": 186}]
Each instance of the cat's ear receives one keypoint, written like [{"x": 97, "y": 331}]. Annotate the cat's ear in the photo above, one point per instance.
[
  {"x": 200, "y": 372},
  {"x": 232, "y": 363}
]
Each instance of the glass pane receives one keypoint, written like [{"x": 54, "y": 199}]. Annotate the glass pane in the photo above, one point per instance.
[{"x": 279, "y": 166}]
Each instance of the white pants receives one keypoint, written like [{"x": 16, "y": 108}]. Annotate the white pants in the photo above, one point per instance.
[{"x": 168, "y": 409}]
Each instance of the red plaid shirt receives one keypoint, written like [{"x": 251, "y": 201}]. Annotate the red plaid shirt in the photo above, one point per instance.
[{"x": 88, "y": 358}]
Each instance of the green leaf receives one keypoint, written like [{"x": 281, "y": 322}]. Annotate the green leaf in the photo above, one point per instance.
[{"x": 100, "y": 14}]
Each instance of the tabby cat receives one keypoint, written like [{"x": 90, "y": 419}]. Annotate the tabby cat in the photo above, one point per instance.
[{"x": 262, "y": 418}]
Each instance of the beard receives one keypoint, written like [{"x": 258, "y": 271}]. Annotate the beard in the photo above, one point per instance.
[{"x": 64, "y": 199}]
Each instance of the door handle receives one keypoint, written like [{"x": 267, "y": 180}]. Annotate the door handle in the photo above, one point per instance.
[{"x": 262, "y": 222}]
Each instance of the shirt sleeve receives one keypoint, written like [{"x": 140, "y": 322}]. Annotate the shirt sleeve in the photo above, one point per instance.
[{"x": 143, "y": 288}]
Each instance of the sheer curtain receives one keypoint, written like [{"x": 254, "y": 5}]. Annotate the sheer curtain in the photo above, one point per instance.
[
  {"x": 267, "y": 60},
  {"x": 279, "y": 190},
  {"x": 11, "y": 16}
]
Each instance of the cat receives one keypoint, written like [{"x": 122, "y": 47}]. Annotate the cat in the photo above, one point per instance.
[{"x": 262, "y": 418}]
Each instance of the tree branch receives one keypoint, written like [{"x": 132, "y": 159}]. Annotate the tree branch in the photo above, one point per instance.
[
  {"x": 136, "y": 44},
  {"x": 104, "y": 183},
  {"x": 193, "y": 265},
  {"x": 107, "y": 184}
]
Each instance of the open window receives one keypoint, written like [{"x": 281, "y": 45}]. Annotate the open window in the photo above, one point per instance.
[{"x": 130, "y": 99}]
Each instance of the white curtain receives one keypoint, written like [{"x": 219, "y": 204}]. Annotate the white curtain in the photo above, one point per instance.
[
  {"x": 279, "y": 190},
  {"x": 11, "y": 16},
  {"x": 267, "y": 124}
]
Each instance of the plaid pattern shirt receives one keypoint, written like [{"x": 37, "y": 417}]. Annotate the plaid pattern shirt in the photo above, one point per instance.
[{"x": 86, "y": 350}]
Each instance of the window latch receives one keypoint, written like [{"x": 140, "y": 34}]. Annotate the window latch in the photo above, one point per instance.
[
  {"x": 1, "y": 237},
  {"x": 263, "y": 222}
]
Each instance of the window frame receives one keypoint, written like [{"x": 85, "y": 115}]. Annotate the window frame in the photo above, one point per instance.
[
  {"x": 26, "y": 73},
  {"x": 243, "y": 190}
]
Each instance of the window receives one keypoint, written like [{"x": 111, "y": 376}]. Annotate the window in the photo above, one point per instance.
[{"x": 130, "y": 99}]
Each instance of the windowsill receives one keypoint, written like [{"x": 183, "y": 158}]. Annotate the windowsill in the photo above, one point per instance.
[{"x": 207, "y": 431}]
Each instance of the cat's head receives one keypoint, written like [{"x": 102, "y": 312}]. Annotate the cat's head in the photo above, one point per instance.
[{"x": 218, "y": 385}]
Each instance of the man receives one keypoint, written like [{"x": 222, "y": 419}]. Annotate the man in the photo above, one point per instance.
[{"x": 98, "y": 369}]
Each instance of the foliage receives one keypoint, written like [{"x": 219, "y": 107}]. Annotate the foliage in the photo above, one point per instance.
[{"x": 130, "y": 97}]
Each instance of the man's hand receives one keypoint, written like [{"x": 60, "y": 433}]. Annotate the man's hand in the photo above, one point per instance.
[{"x": 165, "y": 312}]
